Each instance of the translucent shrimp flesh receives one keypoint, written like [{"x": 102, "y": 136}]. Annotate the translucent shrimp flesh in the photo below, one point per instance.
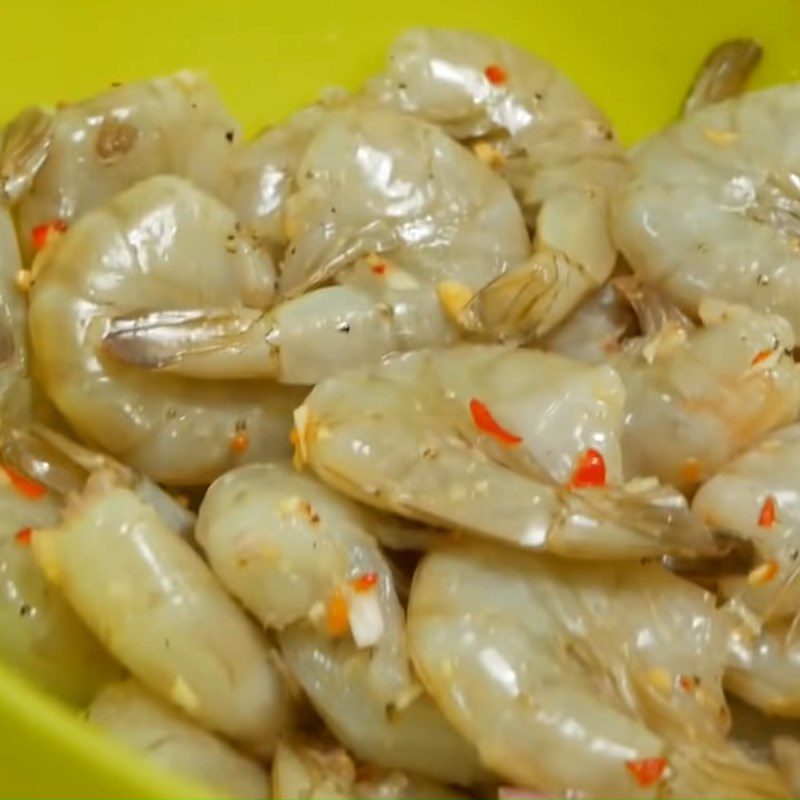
[
  {"x": 712, "y": 207},
  {"x": 165, "y": 737},
  {"x": 405, "y": 223},
  {"x": 74, "y": 159},
  {"x": 162, "y": 243},
  {"x": 156, "y": 606},
  {"x": 517, "y": 445},
  {"x": 301, "y": 558},
  {"x": 580, "y": 680},
  {"x": 552, "y": 144}
]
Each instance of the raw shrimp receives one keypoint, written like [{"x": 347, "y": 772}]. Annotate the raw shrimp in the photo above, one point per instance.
[
  {"x": 313, "y": 771},
  {"x": 757, "y": 497},
  {"x": 598, "y": 680},
  {"x": 161, "y": 243},
  {"x": 155, "y": 604},
  {"x": 291, "y": 550},
  {"x": 518, "y": 445},
  {"x": 39, "y": 633},
  {"x": 133, "y": 716},
  {"x": 548, "y": 140},
  {"x": 697, "y": 397},
  {"x": 713, "y": 206},
  {"x": 79, "y": 156},
  {"x": 405, "y": 221}
]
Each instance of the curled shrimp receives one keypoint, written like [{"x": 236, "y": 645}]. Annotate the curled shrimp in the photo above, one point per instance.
[
  {"x": 757, "y": 498},
  {"x": 157, "y": 607},
  {"x": 161, "y": 243},
  {"x": 574, "y": 678},
  {"x": 402, "y": 220},
  {"x": 136, "y": 718},
  {"x": 76, "y": 158},
  {"x": 698, "y": 396},
  {"x": 302, "y": 560},
  {"x": 712, "y": 207},
  {"x": 546, "y": 138},
  {"x": 518, "y": 445},
  {"x": 305, "y": 770},
  {"x": 40, "y": 635}
]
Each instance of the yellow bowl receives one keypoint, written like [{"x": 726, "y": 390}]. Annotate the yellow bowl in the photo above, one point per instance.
[{"x": 634, "y": 56}]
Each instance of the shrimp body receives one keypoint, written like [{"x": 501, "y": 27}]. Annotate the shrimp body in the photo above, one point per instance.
[
  {"x": 298, "y": 556},
  {"x": 712, "y": 207},
  {"x": 549, "y": 141},
  {"x": 40, "y": 635},
  {"x": 157, "y": 607},
  {"x": 161, "y": 243},
  {"x": 94, "y": 149},
  {"x": 696, "y": 398},
  {"x": 131, "y": 715},
  {"x": 567, "y": 676},
  {"x": 405, "y": 223},
  {"x": 489, "y": 440}
]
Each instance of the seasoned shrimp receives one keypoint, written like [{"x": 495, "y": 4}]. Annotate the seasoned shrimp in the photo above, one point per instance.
[
  {"x": 517, "y": 445},
  {"x": 161, "y": 243},
  {"x": 757, "y": 497},
  {"x": 546, "y": 137},
  {"x": 39, "y": 633},
  {"x": 598, "y": 680},
  {"x": 133, "y": 716},
  {"x": 697, "y": 397},
  {"x": 80, "y": 156},
  {"x": 304, "y": 770},
  {"x": 712, "y": 209},
  {"x": 158, "y": 608},
  {"x": 405, "y": 221},
  {"x": 291, "y": 550}
]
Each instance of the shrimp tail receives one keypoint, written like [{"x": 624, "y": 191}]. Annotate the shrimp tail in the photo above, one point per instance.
[
  {"x": 654, "y": 310},
  {"x": 25, "y": 147},
  {"x": 197, "y": 343},
  {"x": 528, "y": 301},
  {"x": 643, "y": 516},
  {"x": 723, "y": 73}
]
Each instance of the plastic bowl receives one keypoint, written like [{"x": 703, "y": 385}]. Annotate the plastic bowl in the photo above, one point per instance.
[{"x": 635, "y": 58}]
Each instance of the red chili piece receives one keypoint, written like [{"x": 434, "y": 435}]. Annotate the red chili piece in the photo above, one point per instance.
[
  {"x": 647, "y": 770},
  {"x": 484, "y": 421},
  {"x": 496, "y": 74},
  {"x": 591, "y": 471}
]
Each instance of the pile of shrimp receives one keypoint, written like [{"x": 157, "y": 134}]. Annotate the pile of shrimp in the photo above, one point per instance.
[{"x": 428, "y": 444}]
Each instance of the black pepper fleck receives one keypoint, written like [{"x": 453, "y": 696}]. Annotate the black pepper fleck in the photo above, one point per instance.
[
  {"x": 343, "y": 327},
  {"x": 24, "y": 610},
  {"x": 229, "y": 135},
  {"x": 762, "y": 280}
]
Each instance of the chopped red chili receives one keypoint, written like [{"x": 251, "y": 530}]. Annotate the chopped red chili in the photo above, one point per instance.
[
  {"x": 379, "y": 269},
  {"x": 647, "y": 771},
  {"x": 41, "y": 234},
  {"x": 590, "y": 471},
  {"x": 768, "y": 515},
  {"x": 484, "y": 421},
  {"x": 23, "y": 536},
  {"x": 25, "y": 486},
  {"x": 496, "y": 74},
  {"x": 365, "y": 582}
]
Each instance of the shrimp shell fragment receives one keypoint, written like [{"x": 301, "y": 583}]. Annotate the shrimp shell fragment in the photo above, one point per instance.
[{"x": 398, "y": 436}]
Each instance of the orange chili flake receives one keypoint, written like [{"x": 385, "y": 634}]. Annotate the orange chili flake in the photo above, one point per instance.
[
  {"x": 485, "y": 422},
  {"x": 761, "y": 355},
  {"x": 496, "y": 74},
  {"x": 647, "y": 770},
  {"x": 41, "y": 234},
  {"x": 337, "y": 614},
  {"x": 365, "y": 582},
  {"x": 686, "y": 683},
  {"x": 23, "y": 536},
  {"x": 379, "y": 269},
  {"x": 591, "y": 470},
  {"x": 767, "y": 515},
  {"x": 240, "y": 443},
  {"x": 25, "y": 486},
  {"x": 763, "y": 573}
]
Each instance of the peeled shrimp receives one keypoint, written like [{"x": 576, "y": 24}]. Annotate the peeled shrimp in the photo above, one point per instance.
[
  {"x": 312, "y": 771},
  {"x": 568, "y": 678},
  {"x": 697, "y": 397},
  {"x": 297, "y": 555},
  {"x": 161, "y": 243},
  {"x": 489, "y": 440},
  {"x": 39, "y": 633},
  {"x": 548, "y": 140},
  {"x": 403, "y": 220},
  {"x": 133, "y": 716},
  {"x": 153, "y": 602},
  {"x": 91, "y": 150},
  {"x": 712, "y": 207}
]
